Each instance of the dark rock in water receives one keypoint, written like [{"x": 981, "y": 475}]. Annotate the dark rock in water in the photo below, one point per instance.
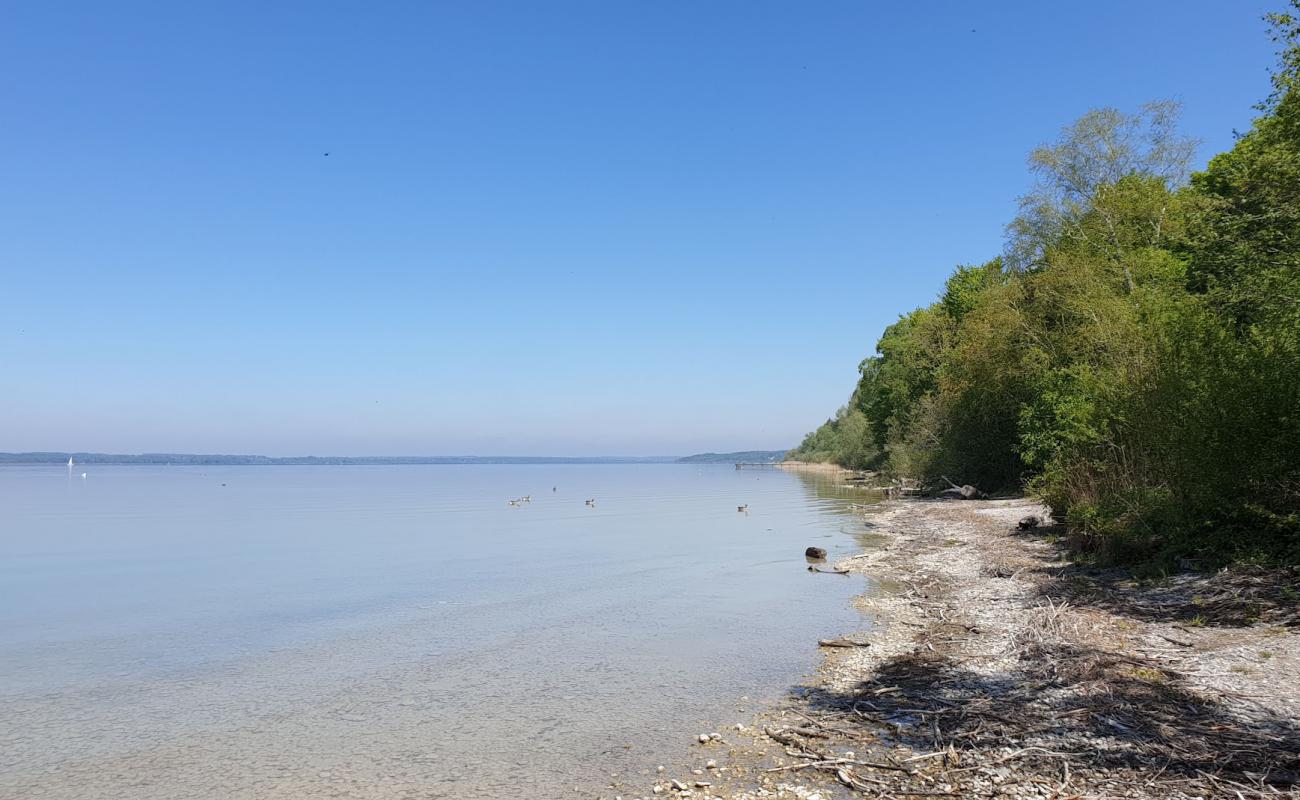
[
  {"x": 815, "y": 552},
  {"x": 1029, "y": 523}
]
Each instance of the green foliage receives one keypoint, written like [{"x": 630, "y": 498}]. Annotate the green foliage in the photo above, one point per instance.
[
  {"x": 844, "y": 439},
  {"x": 1244, "y": 246},
  {"x": 1102, "y": 149},
  {"x": 1134, "y": 359}
]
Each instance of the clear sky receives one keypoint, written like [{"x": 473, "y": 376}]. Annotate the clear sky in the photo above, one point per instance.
[{"x": 541, "y": 227}]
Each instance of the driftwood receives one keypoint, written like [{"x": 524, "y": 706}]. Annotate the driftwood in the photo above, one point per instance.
[
  {"x": 966, "y": 492},
  {"x": 842, "y": 642},
  {"x": 844, "y": 769}
]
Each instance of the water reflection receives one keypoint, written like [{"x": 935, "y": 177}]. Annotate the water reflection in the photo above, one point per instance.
[{"x": 839, "y": 486}]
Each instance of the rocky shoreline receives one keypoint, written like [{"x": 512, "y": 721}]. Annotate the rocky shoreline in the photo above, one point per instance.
[{"x": 999, "y": 668}]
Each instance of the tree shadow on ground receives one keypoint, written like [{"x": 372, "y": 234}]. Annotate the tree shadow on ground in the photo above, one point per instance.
[
  {"x": 1068, "y": 710},
  {"x": 1235, "y": 596}
]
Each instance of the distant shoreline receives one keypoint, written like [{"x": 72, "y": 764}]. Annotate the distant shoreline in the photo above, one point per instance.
[
  {"x": 221, "y": 459},
  {"x": 189, "y": 459}
]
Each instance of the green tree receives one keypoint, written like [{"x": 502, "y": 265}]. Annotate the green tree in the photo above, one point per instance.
[
  {"x": 1098, "y": 151},
  {"x": 1134, "y": 358}
]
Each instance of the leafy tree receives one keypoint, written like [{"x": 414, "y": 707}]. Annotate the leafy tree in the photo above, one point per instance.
[
  {"x": 1101, "y": 149},
  {"x": 1134, "y": 357},
  {"x": 1245, "y": 246}
]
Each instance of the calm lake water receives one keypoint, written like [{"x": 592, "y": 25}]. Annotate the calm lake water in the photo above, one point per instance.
[{"x": 394, "y": 632}]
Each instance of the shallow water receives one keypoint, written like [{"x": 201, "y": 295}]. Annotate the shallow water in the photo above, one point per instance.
[{"x": 386, "y": 632}]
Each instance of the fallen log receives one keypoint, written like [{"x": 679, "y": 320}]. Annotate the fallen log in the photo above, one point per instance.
[
  {"x": 842, "y": 642},
  {"x": 966, "y": 492}
]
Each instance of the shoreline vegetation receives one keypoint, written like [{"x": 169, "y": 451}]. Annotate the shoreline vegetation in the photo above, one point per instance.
[{"x": 1132, "y": 358}]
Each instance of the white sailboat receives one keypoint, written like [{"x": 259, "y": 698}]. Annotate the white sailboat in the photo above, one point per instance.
[{"x": 69, "y": 466}]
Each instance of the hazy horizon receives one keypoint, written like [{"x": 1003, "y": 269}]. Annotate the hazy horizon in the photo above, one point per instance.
[
  {"x": 490, "y": 228},
  {"x": 322, "y": 455}
]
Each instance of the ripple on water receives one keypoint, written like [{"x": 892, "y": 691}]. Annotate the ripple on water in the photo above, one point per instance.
[{"x": 386, "y": 631}]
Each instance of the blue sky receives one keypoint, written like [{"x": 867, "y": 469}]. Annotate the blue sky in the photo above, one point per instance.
[{"x": 542, "y": 227}]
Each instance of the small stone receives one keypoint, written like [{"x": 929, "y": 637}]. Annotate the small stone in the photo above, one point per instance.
[
  {"x": 678, "y": 785},
  {"x": 657, "y": 789},
  {"x": 697, "y": 772},
  {"x": 659, "y": 768},
  {"x": 710, "y": 764},
  {"x": 702, "y": 784},
  {"x": 704, "y": 738}
]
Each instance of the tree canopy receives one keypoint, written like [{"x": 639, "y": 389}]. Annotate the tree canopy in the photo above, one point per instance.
[{"x": 1133, "y": 357}]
